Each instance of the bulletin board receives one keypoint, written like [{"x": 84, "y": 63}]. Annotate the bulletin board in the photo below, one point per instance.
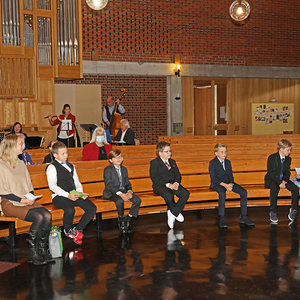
[{"x": 272, "y": 118}]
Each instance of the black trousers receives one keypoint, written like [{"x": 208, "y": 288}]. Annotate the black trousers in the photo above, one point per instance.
[
  {"x": 69, "y": 142},
  {"x": 134, "y": 210},
  {"x": 168, "y": 195},
  {"x": 221, "y": 190},
  {"x": 69, "y": 211},
  {"x": 274, "y": 190}
]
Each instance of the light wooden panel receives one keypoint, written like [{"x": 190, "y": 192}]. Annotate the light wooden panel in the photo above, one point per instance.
[
  {"x": 241, "y": 93},
  {"x": 17, "y": 77},
  {"x": 244, "y": 91},
  {"x": 9, "y": 112}
]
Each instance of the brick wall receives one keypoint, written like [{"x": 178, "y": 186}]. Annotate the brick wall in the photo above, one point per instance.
[
  {"x": 145, "y": 102},
  {"x": 201, "y": 31}
]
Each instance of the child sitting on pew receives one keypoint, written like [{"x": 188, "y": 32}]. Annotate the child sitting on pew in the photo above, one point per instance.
[
  {"x": 68, "y": 193},
  {"x": 166, "y": 180},
  {"x": 118, "y": 189},
  {"x": 222, "y": 180},
  {"x": 278, "y": 177}
]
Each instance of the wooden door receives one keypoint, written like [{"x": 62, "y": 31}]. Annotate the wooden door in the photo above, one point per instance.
[{"x": 202, "y": 110}]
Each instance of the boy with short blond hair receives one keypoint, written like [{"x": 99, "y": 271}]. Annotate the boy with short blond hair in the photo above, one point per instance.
[
  {"x": 278, "y": 177},
  {"x": 62, "y": 179},
  {"x": 166, "y": 179},
  {"x": 222, "y": 180},
  {"x": 118, "y": 189}
]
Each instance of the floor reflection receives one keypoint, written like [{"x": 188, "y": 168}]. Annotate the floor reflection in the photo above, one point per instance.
[{"x": 196, "y": 260}]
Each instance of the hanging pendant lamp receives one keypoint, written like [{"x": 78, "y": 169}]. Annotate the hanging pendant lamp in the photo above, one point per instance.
[
  {"x": 239, "y": 10},
  {"x": 96, "y": 4}
]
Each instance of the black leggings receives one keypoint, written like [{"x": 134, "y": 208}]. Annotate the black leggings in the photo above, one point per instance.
[{"x": 40, "y": 217}]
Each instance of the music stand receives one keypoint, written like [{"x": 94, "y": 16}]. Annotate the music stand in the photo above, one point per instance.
[
  {"x": 66, "y": 125},
  {"x": 88, "y": 128}
]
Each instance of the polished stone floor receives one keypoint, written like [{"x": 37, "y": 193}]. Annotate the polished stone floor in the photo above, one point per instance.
[{"x": 195, "y": 261}]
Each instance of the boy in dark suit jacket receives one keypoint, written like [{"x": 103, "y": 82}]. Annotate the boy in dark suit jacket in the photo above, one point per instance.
[
  {"x": 222, "y": 180},
  {"x": 118, "y": 189},
  {"x": 278, "y": 177},
  {"x": 166, "y": 180}
]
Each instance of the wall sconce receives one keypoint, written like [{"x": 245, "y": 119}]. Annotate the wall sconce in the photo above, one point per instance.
[
  {"x": 96, "y": 4},
  {"x": 177, "y": 71},
  {"x": 239, "y": 10}
]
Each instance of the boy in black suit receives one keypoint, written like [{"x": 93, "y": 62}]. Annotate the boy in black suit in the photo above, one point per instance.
[
  {"x": 118, "y": 189},
  {"x": 278, "y": 177},
  {"x": 222, "y": 180},
  {"x": 166, "y": 180}
]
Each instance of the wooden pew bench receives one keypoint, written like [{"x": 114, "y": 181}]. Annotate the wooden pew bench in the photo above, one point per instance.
[{"x": 195, "y": 177}]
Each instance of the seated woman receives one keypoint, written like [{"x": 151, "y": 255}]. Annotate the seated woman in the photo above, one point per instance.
[
  {"x": 24, "y": 155},
  {"x": 16, "y": 201},
  {"x": 49, "y": 157},
  {"x": 16, "y": 129},
  {"x": 98, "y": 148}
]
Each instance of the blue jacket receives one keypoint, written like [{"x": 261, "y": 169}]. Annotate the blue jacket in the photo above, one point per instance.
[{"x": 218, "y": 174}]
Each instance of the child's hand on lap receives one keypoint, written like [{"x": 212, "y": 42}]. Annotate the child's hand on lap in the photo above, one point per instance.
[
  {"x": 124, "y": 196},
  {"x": 73, "y": 197}
]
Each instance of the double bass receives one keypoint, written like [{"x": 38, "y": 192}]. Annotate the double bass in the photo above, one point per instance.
[{"x": 115, "y": 125}]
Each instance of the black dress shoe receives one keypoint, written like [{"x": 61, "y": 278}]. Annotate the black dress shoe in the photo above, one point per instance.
[
  {"x": 222, "y": 223},
  {"x": 247, "y": 221},
  {"x": 122, "y": 225}
]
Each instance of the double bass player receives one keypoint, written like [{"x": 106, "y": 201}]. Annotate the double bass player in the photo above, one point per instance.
[{"x": 109, "y": 110}]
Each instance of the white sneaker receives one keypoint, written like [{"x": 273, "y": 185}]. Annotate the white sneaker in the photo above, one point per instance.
[
  {"x": 171, "y": 219},
  {"x": 180, "y": 218},
  {"x": 179, "y": 235},
  {"x": 171, "y": 236}
]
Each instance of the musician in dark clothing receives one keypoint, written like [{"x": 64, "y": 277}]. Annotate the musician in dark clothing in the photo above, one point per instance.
[{"x": 109, "y": 110}]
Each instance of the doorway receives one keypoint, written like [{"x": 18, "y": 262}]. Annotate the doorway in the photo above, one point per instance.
[{"x": 210, "y": 107}]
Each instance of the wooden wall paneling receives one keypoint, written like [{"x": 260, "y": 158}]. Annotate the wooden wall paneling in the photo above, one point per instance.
[
  {"x": 297, "y": 105},
  {"x": 22, "y": 115},
  {"x": 188, "y": 105},
  {"x": 33, "y": 113},
  {"x": 9, "y": 112},
  {"x": 2, "y": 123}
]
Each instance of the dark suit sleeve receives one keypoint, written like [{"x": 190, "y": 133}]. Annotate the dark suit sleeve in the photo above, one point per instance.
[
  {"x": 272, "y": 174},
  {"x": 127, "y": 183},
  {"x": 111, "y": 181},
  {"x": 213, "y": 174},
  {"x": 175, "y": 171},
  {"x": 287, "y": 169},
  {"x": 229, "y": 172},
  {"x": 129, "y": 137},
  {"x": 155, "y": 174},
  {"x": 118, "y": 136}
]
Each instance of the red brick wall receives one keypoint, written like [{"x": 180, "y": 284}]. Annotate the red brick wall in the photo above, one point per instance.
[
  {"x": 201, "y": 31},
  {"x": 145, "y": 102}
]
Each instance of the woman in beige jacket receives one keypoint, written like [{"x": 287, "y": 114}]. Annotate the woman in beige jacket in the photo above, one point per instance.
[{"x": 17, "y": 200}]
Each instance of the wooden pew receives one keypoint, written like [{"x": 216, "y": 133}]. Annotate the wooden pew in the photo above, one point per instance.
[{"x": 195, "y": 178}]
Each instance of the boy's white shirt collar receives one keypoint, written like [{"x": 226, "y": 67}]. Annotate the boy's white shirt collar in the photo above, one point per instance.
[
  {"x": 221, "y": 161},
  {"x": 281, "y": 157},
  {"x": 165, "y": 160}
]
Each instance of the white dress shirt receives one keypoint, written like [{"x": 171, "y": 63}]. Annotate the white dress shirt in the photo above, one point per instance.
[{"x": 52, "y": 181}]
